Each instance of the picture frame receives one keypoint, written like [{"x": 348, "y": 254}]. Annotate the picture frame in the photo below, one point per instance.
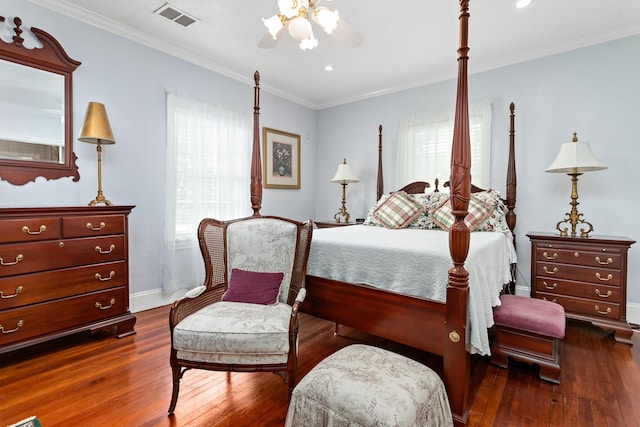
[{"x": 281, "y": 159}]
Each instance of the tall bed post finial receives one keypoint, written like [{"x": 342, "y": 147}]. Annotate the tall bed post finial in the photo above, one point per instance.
[
  {"x": 380, "y": 186},
  {"x": 256, "y": 165},
  {"x": 511, "y": 173},
  {"x": 456, "y": 359}
]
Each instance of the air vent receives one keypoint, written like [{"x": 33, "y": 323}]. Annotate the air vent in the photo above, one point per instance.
[{"x": 173, "y": 14}]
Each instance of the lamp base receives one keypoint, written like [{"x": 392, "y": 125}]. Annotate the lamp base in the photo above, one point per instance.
[{"x": 100, "y": 199}]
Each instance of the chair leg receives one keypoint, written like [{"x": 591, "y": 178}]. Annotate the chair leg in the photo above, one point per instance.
[{"x": 176, "y": 374}]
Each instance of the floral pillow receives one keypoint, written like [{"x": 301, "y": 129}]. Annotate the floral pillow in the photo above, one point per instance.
[
  {"x": 478, "y": 212},
  {"x": 497, "y": 221},
  {"x": 398, "y": 210},
  {"x": 430, "y": 201}
]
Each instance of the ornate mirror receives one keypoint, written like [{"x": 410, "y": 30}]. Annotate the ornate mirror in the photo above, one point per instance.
[{"x": 35, "y": 108}]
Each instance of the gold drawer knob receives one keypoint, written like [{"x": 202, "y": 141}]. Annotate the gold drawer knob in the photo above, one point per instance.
[
  {"x": 546, "y": 255},
  {"x": 42, "y": 229},
  {"x": 607, "y": 262},
  {"x": 607, "y": 295},
  {"x": 553, "y": 286},
  {"x": 599, "y": 277},
  {"x": 105, "y": 307},
  {"x": 98, "y": 276},
  {"x": 546, "y": 270},
  {"x": 8, "y": 331},
  {"x": 18, "y": 290},
  {"x": 98, "y": 228},
  {"x": 603, "y": 312},
  {"x": 19, "y": 258}
]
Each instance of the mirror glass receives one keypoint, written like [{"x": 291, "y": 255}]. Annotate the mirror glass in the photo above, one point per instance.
[{"x": 31, "y": 114}]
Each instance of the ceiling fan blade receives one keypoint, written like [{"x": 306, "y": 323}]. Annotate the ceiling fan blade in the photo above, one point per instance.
[{"x": 347, "y": 34}]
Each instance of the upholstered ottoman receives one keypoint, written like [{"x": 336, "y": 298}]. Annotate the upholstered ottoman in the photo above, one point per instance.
[
  {"x": 361, "y": 385},
  {"x": 529, "y": 331}
]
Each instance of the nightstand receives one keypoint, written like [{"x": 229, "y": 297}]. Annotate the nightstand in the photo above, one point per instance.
[
  {"x": 586, "y": 275},
  {"x": 332, "y": 223}
]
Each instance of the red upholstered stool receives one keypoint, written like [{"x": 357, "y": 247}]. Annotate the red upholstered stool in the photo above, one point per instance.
[{"x": 529, "y": 331}]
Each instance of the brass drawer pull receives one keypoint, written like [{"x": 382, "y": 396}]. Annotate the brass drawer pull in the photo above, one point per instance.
[
  {"x": 609, "y": 277},
  {"x": 104, "y": 279},
  {"x": 554, "y": 271},
  {"x": 555, "y": 285},
  {"x": 111, "y": 248},
  {"x": 106, "y": 307},
  {"x": 92, "y": 228},
  {"x": 555, "y": 255},
  {"x": 603, "y": 312},
  {"x": 18, "y": 290},
  {"x": 19, "y": 258},
  {"x": 609, "y": 293},
  {"x": 607, "y": 262},
  {"x": 42, "y": 229},
  {"x": 18, "y": 326},
  {"x": 553, "y": 300}
]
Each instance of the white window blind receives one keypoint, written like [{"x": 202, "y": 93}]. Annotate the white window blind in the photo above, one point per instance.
[
  {"x": 425, "y": 140},
  {"x": 207, "y": 175}
]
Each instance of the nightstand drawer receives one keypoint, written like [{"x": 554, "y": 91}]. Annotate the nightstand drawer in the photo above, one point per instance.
[
  {"x": 579, "y": 273},
  {"x": 584, "y": 306},
  {"x": 607, "y": 258},
  {"x": 578, "y": 289}
]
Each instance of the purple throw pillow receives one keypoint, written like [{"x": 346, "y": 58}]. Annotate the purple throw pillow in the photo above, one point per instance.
[{"x": 253, "y": 287}]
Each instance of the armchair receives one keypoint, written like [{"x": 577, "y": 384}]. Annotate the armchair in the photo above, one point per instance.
[{"x": 244, "y": 317}]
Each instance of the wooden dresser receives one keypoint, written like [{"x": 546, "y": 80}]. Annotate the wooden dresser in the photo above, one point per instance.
[
  {"x": 63, "y": 270},
  {"x": 587, "y": 276}
]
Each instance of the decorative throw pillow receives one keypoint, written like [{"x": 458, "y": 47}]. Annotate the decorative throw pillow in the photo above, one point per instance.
[
  {"x": 478, "y": 212},
  {"x": 497, "y": 221},
  {"x": 431, "y": 201},
  {"x": 253, "y": 287},
  {"x": 398, "y": 210},
  {"x": 370, "y": 219}
]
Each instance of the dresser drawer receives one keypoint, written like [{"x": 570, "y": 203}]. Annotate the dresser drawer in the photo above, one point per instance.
[
  {"x": 579, "y": 289},
  {"x": 608, "y": 258},
  {"x": 578, "y": 273},
  {"x": 40, "y": 287},
  {"x": 39, "y": 319},
  {"x": 87, "y": 226},
  {"x": 29, "y": 229},
  {"x": 584, "y": 306},
  {"x": 39, "y": 256}
]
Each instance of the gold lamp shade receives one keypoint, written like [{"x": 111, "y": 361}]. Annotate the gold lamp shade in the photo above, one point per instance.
[{"x": 97, "y": 130}]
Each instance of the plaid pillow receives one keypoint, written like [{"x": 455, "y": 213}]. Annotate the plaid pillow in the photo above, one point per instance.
[
  {"x": 478, "y": 212},
  {"x": 398, "y": 210}
]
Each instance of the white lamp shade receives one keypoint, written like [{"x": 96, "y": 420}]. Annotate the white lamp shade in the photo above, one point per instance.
[
  {"x": 274, "y": 25},
  {"x": 344, "y": 174},
  {"x": 326, "y": 18},
  {"x": 575, "y": 157}
]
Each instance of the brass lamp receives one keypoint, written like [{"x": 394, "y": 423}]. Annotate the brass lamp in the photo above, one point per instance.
[
  {"x": 96, "y": 130},
  {"x": 344, "y": 175},
  {"x": 574, "y": 159}
]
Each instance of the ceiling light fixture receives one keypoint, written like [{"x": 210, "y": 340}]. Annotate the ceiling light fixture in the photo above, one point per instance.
[
  {"x": 296, "y": 16},
  {"x": 522, "y": 3}
]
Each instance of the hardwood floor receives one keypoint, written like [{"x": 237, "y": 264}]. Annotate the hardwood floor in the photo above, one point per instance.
[{"x": 105, "y": 381}]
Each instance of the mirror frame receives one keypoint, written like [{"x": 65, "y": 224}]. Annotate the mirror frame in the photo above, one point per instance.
[{"x": 52, "y": 58}]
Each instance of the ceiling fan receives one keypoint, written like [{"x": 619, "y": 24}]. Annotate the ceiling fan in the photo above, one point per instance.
[{"x": 295, "y": 15}]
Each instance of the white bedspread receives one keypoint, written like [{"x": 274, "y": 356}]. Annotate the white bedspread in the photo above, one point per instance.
[{"x": 416, "y": 262}]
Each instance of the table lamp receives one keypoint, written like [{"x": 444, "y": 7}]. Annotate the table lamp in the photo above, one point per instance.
[{"x": 344, "y": 175}]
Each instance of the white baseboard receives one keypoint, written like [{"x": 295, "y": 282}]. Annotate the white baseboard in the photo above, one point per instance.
[{"x": 147, "y": 300}]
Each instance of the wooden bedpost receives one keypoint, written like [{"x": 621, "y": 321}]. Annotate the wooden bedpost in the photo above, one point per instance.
[
  {"x": 511, "y": 174},
  {"x": 380, "y": 186},
  {"x": 456, "y": 359},
  {"x": 256, "y": 165}
]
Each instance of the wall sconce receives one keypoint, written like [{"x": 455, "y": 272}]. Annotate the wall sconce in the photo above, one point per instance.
[
  {"x": 344, "y": 175},
  {"x": 574, "y": 159},
  {"x": 96, "y": 130}
]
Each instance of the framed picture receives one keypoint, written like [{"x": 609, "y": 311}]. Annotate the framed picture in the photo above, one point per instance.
[{"x": 281, "y": 168}]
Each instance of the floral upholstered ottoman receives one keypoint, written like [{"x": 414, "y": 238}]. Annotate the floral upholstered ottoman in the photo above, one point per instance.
[{"x": 361, "y": 385}]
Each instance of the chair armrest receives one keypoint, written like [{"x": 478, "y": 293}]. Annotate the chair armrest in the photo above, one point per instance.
[
  {"x": 302, "y": 293},
  {"x": 187, "y": 305}
]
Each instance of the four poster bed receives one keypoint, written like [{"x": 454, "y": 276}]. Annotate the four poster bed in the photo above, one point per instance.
[{"x": 437, "y": 327}]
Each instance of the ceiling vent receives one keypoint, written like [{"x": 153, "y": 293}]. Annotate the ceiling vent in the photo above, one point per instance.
[{"x": 173, "y": 14}]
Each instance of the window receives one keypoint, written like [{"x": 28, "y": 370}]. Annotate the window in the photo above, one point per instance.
[
  {"x": 424, "y": 147},
  {"x": 208, "y": 150}
]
